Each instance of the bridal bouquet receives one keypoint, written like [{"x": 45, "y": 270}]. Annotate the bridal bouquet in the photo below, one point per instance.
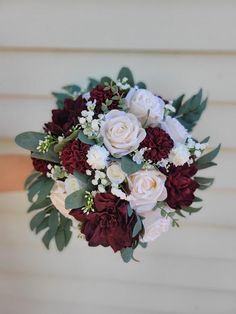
[{"x": 116, "y": 165}]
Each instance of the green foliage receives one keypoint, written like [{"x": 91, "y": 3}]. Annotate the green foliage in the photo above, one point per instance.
[
  {"x": 40, "y": 188},
  {"x": 72, "y": 89},
  {"x": 125, "y": 72},
  {"x": 205, "y": 161},
  {"x": 191, "y": 210},
  {"x": 141, "y": 85},
  {"x": 129, "y": 166},
  {"x": 57, "y": 226},
  {"x": 58, "y": 147},
  {"x": 127, "y": 254},
  {"x": 30, "y": 179},
  {"x": 60, "y": 98},
  {"x": 76, "y": 199},
  {"x": 29, "y": 140},
  {"x": 130, "y": 211},
  {"x": 105, "y": 80},
  {"x": 49, "y": 156},
  {"x": 189, "y": 112},
  {"x": 92, "y": 83},
  {"x": 42, "y": 204},
  {"x": 137, "y": 227},
  {"x": 204, "y": 183},
  {"x": 83, "y": 138}
]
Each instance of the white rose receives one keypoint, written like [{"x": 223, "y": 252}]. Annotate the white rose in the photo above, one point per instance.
[
  {"x": 97, "y": 157},
  {"x": 58, "y": 196},
  {"x": 175, "y": 129},
  {"x": 115, "y": 174},
  {"x": 147, "y": 187},
  {"x": 179, "y": 155},
  {"x": 61, "y": 190},
  {"x": 141, "y": 101},
  {"x": 154, "y": 224},
  {"x": 122, "y": 133}
]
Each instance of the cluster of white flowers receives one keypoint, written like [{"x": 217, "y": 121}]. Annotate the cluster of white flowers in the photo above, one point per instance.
[
  {"x": 56, "y": 172},
  {"x": 196, "y": 148},
  {"x": 100, "y": 180}
]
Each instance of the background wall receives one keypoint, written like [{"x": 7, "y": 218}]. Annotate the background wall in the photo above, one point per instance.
[{"x": 174, "y": 46}]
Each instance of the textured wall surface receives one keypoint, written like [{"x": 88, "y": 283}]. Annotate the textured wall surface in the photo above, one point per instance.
[{"x": 175, "y": 47}]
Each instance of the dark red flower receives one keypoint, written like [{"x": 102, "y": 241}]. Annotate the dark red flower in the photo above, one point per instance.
[
  {"x": 73, "y": 157},
  {"x": 110, "y": 224},
  {"x": 99, "y": 94},
  {"x": 181, "y": 186},
  {"x": 159, "y": 144},
  {"x": 40, "y": 165},
  {"x": 64, "y": 119}
]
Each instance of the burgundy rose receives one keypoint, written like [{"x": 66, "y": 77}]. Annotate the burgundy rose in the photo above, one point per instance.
[
  {"x": 64, "y": 119},
  {"x": 110, "y": 224},
  {"x": 40, "y": 165},
  {"x": 181, "y": 186},
  {"x": 73, "y": 157},
  {"x": 158, "y": 142}
]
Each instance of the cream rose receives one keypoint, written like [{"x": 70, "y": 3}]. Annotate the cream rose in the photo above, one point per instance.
[
  {"x": 141, "y": 101},
  {"x": 154, "y": 224},
  {"x": 122, "y": 133},
  {"x": 115, "y": 174},
  {"x": 60, "y": 191},
  {"x": 147, "y": 187},
  {"x": 175, "y": 129}
]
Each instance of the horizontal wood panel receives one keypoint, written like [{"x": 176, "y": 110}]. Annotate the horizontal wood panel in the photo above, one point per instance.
[
  {"x": 168, "y": 270},
  {"x": 35, "y": 112},
  {"x": 180, "y": 25},
  {"x": 114, "y": 293},
  {"x": 168, "y": 75}
]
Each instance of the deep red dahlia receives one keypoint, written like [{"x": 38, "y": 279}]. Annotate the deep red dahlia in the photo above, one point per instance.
[
  {"x": 40, "y": 165},
  {"x": 73, "y": 157},
  {"x": 181, "y": 186},
  {"x": 64, "y": 119},
  {"x": 99, "y": 94},
  {"x": 159, "y": 144},
  {"x": 109, "y": 225}
]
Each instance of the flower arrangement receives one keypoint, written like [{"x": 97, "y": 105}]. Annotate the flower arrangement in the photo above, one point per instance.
[{"x": 116, "y": 164}]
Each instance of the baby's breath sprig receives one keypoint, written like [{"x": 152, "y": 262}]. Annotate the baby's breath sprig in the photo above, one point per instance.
[
  {"x": 45, "y": 144},
  {"x": 88, "y": 208}
]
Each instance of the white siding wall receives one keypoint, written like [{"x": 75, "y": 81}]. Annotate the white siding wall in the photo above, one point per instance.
[{"x": 174, "y": 46}]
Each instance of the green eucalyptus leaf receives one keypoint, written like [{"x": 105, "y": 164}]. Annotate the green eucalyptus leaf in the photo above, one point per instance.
[
  {"x": 60, "y": 97},
  {"x": 206, "y": 140},
  {"x": 105, "y": 79},
  {"x": 207, "y": 158},
  {"x": 197, "y": 199},
  {"x": 137, "y": 227},
  {"x": 29, "y": 140},
  {"x": 71, "y": 89},
  {"x": 177, "y": 103},
  {"x": 81, "y": 177},
  {"x": 206, "y": 165},
  {"x": 191, "y": 210},
  {"x": 47, "y": 239},
  {"x": 58, "y": 147},
  {"x": 83, "y": 138},
  {"x": 129, "y": 166},
  {"x": 42, "y": 204},
  {"x": 42, "y": 226},
  {"x": 143, "y": 244},
  {"x": 127, "y": 254},
  {"x": 92, "y": 83},
  {"x": 76, "y": 199},
  {"x": 53, "y": 221},
  {"x": 129, "y": 211},
  {"x": 141, "y": 85},
  {"x": 37, "y": 219},
  {"x": 48, "y": 156},
  {"x": 125, "y": 72},
  {"x": 31, "y": 179},
  {"x": 41, "y": 187},
  {"x": 60, "y": 239}
]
